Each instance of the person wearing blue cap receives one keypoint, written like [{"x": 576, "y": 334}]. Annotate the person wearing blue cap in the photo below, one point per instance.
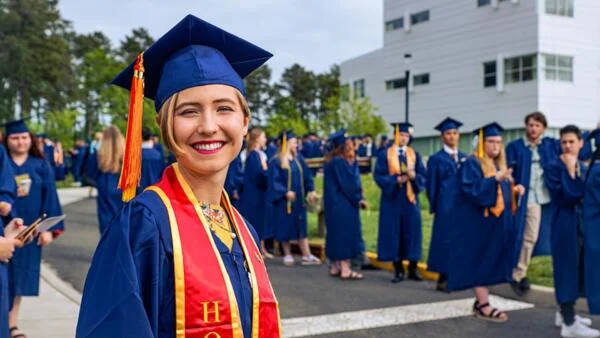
[
  {"x": 442, "y": 188},
  {"x": 36, "y": 196},
  {"x": 234, "y": 182},
  {"x": 78, "y": 158},
  {"x": 179, "y": 260},
  {"x": 565, "y": 178},
  {"x": 290, "y": 185},
  {"x": 254, "y": 194},
  {"x": 342, "y": 196},
  {"x": 367, "y": 150},
  {"x": 158, "y": 146},
  {"x": 153, "y": 162},
  {"x": 400, "y": 174},
  {"x": 528, "y": 157},
  {"x": 104, "y": 168},
  {"x": 483, "y": 233}
]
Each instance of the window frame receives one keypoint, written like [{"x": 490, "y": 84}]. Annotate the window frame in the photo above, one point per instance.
[
  {"x": 520, "y": 70},
  {"x": 557, "y": 69},
  {"x": 490, "y": 75},
  {"x": 359, "y": 92},
  {"x": 565, "y": 8}
]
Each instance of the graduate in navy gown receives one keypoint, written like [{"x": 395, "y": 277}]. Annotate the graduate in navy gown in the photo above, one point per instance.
[
  {"x": 565, "y": 178},
  {"x": 591, "y": 143},
  {"x": 271, "y": 148},
  {"x": 591, "y": 224},
  {"x": 78, "y": 156},
  {"x": 159, "y": 147},
  {"x": 153, "y": 162},
  {"x": 8, "y": 189},
  {"x": 442, "y": 189},
  {"x": 179, "y": 260},
  {"x": 483, "y": 233},
  {"x": 253, "y": 203},
  {"x": 36, "y": 196},
  {"x": 290, "y": 186},
  {"x": 342, "y": 196},
  {"x": 367, "y": 150},
  {"x": 59, "y": 162},
  {"x": 234, "y": 183},
  {"x": 400, "y": 174},
  {"x": 104, "y": 168},
  {"x": 529, "y": 157}
]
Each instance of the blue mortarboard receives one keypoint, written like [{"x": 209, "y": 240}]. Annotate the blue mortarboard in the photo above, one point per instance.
[
  {"x": 194, "y": 53},
  {"x": 338, "y": 138},
  {"x": 42, "y": 135},
  {"x": 491, "y": 129},
  {"x": 16, "y": 127},
  {"x": 447, "y": 124},
  {"x": 288, "y": 133},
  {"x": 403, "y": 127}
]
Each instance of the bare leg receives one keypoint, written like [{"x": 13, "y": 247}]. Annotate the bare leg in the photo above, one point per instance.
[
  {"x": 304, "y": 247},
  {"x": 482, "y": 295},
  {"x": 13, "y": 317},
  {"x": 287, "y": 248}
]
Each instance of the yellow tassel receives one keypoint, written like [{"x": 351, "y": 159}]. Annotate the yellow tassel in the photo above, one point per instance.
[
  {"x": 397, "y": 136},
  {"x": 132, "y": 159},
  {"x": 480, "y": 144},
  {"x": 283, "y": 152}
]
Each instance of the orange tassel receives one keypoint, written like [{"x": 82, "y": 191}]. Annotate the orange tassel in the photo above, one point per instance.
[
  {"x": 132, "y": 159},
  {"x": 397, "y": 136}
]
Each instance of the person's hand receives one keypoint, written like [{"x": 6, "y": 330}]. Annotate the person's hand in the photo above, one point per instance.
[
  {"x": 519, "y": 189},
  {"x": 45, "y": 238},
  {"x": 312, "y": 197},
  {"x": 412, "y": 174},
  {"x": 569, "y": 160},
  {"x": 363, "y": 205},
  {"x": 401, "y": 179},
  {"x": 290, "y": 196},
  {"x": 5, "y": 208},
  {"x": 504, "y": 175},
  {"x": 21, "y": 192},
  {"x": 7, "y": 248}
]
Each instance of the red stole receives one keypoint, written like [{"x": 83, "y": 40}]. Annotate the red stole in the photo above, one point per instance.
[{"x": 205, "y": 303}]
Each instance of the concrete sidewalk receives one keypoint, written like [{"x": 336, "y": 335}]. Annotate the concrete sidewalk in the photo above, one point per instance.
[{"x": 54, "y": 313}]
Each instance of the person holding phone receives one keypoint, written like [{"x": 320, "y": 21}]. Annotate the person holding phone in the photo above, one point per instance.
[{"x": 36, "y": 195}]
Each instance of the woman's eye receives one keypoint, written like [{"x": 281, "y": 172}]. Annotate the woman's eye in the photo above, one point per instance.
[
  {"x": 224, "y": 109},
  {"x": 188, "y": 112}
]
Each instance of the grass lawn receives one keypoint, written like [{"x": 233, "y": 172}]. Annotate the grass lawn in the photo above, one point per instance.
[{"x": 540, "y": 271}]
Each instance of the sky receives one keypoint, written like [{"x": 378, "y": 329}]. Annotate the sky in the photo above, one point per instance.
[{"x": 314, "y": 33}]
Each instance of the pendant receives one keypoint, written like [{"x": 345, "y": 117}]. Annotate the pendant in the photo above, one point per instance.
[{"x": 233, "y": 235}]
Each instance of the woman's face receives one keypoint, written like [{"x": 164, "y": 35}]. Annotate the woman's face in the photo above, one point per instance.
[
  {"x": 262, "y": 140},
  {"x": 493, "y": 146},
  {"x": 209, "y": 125},
  {"x": 19, "y": 144},
  {"x": 292, "y": 145}
]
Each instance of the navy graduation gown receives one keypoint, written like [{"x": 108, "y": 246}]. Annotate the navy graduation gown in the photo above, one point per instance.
[
  {"x": 400, "y": 232},
  {"x": 234, "y": 182},
  {"x": 567, "y": 231},
  {"x": 129, "y": 290},
  {"x": 481, "y": 247},
  {"x": 109, "y": 200},
  {"x": 159, "y": 147},
  {"x": 78, "y": 162},
  {"x": 271, "y": 150},
  {"x": 591, "y": 230},
  {"x": 153, "y": 165},
  {"x": 253, "y": 199},
  {"x": 442, "y": 190},
  {"x": 342, "y": 194},
  {"x": 290, "y": 226},
  {"x": 8, "y": 190},
  {"x": 518, "y": 157},
  {"x": 42, "y": 199}
]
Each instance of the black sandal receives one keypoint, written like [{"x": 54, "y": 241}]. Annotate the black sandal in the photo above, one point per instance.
[
  {"x": 495, "y": 315},
  {"x": 337, "y": 274},
  {"x": 18, "y": 335},
  {"x": 352, "y": 276}
]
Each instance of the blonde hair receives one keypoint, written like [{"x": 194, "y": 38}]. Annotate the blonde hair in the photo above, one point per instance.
[
  {"x": 166, "y": 120},
  {"x": 255, "y": 133},
  {"x": 110, "y": 154}
]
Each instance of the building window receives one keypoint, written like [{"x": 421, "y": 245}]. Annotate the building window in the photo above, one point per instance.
[
  {"x": 560, "y": 7},
  {"x": 418, "y": 80},
  {"x": 558, "y": 67},
  {"x": 419, "y": 17},
  {"x": 481, "y": 3},
  {"x": 520, "y": 68},
  {"x": 345, "y": 92},
  {"x": 394, "y": 24},
  {"x": 421, "y": 79},
  {"x": 359, "y": 88},
  {"x": 489, "y": 74}
]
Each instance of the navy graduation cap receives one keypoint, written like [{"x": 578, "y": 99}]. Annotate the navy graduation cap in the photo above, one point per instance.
[
  {"x": 15, "y": 127},
  {"x": 338, "y": 138},
  {"x": 490, "y": 129},
  {"x": 193, "y": 53},
  {"x": 286, "y": 134},
  {"x": 448, "y": 124},
  {"x": 403, "y": 127}
]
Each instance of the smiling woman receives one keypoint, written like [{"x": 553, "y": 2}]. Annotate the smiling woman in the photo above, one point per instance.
[{"x": 188, "y": 263}]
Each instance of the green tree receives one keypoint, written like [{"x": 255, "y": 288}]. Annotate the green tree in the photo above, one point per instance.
[
  {"x": 286, "y": 116},
  {"x": 258, "y": 90},
  {"x": 301, "y": 85},
  {"x": 361, "y": 117},
  {"x": 138, "y": 41},
  {"x": 57, "y": 122}
]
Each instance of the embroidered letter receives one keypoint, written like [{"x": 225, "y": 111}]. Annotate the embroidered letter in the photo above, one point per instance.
[
  {"x": 214, "y": 311},
  {"x": 212, "y": 335}
]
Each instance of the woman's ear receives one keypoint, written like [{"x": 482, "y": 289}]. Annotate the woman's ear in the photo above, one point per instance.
[{"x": 246, "y": 123}]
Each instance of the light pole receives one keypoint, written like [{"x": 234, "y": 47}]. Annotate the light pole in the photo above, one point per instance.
[{"x": 407, "y": 61}]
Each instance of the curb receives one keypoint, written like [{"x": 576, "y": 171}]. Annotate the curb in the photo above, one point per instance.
[{"x": 49, "y": 275}]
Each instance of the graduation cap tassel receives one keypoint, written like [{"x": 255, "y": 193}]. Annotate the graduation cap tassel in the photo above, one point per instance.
[
  {"x": 132, "y": 159},
  {"x": 397, "y": 136},
  {"x": 480, "y": 144}
]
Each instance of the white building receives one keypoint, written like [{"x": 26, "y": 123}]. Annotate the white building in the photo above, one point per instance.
[{"x": 484, "y": 60}]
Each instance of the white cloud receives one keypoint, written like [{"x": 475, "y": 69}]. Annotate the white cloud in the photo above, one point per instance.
[{"x": 313, "y": 33}]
